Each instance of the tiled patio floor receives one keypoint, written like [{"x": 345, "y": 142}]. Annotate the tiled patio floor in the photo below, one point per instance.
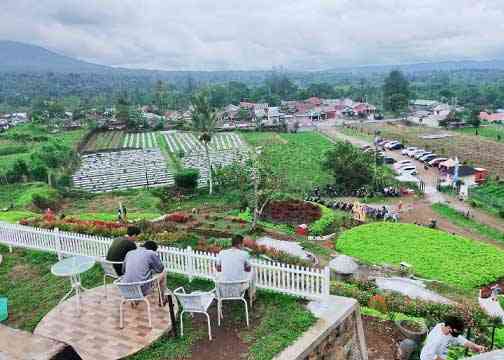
[{"x": 95, "y": 334}]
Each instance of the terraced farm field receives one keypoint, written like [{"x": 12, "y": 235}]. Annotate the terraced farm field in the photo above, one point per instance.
[
  {"x": 475, "y": 150},
  {"x": 188, "y": 142},
  {"x": 490, "y": 195},
  {"x": 493, "y": 132},
  {"x": 115, "y": 140}
]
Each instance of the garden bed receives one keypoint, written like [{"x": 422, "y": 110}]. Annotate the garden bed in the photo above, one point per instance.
[
  {"x": 293, "y": 212},
  {"x": 432, "y": 253}
]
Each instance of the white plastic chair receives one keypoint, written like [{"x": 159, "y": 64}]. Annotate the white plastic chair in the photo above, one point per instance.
[
  {"x": 229, "y": 291},
  {"x": 109, "y": 271},
  {"x": 195, "y": 302},
  {"x": 132, "y": 292}
]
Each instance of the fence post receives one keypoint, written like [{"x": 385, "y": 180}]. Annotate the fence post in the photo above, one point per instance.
[
  {"x": 327, "y": 281},
  {"x": 190, "y": 263},
  {"x": 58, "y": 243}
]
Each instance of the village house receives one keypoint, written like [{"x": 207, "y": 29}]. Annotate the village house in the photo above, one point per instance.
[{"x": 495, "y": 117}]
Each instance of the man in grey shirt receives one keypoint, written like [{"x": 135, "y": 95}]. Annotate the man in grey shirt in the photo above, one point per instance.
[{"x": 141, "y": 264}]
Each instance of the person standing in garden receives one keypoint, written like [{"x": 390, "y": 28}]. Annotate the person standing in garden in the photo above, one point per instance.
[
  {"x": 443, "y": 336},
  {"x": 121, "y": 246}
]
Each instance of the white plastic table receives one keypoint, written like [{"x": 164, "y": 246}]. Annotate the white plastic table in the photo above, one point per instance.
[{"x": 72, "y": 268}]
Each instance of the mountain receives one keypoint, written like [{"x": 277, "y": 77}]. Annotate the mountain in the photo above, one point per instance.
[{"x": 20, "y": 57}]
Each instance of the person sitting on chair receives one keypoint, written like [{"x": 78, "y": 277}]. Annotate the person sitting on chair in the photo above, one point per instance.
[
  {"x": 142, "y": 264},
  {"x": 121, "y": 246},
  {"x": 234, "y": 264}
]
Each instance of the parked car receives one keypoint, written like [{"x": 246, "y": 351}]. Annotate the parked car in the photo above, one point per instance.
[
  {"x": 415, "y": 153},
  {"x": 408, "y": 170},
  {"x": 406, "y": 150},
  {"x": 436, "y": 161},
  {"x": 390, "y": 143},
  {"x": 403, "y": 163},
  {"x": 421, "y": 154},
  {"x": 396, "y": 146},
  {"x": 388, "y": 160},
  {"x": 427, "y": 158},
  {"x": 412, "y": 152}
]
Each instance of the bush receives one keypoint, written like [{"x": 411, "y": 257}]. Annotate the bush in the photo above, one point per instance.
[
  {"x": 323, "y": 225},
  {"x": 187, "y": 179},
  {"x": 44, "y": 202}
]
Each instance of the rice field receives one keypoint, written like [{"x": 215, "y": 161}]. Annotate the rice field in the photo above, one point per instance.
[{"x": 188, "y": 142}]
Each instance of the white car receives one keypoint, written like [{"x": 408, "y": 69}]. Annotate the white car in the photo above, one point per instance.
[
  {"x": 406, "y": 150},
  {"x": 428, "y": 157},
  {"x": 408, "y": 170},
  {"x": 390, "y": 144},
  {"x": 400, "y": 167},
  {"x": 421, "y": 154},
  {"x": 403, "y": 163},
  {"x": 436, "y": 161},
  {"x": 414, "y": 153}
]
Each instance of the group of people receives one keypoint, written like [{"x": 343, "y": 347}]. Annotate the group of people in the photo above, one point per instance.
[{"x": 139, "y": 264}]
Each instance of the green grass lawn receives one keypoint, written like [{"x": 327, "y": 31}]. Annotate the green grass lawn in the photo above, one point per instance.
[
  {"x": 31, "y": 289},
  {"x": 491, "y": 131},
  {"x": 458, "y": 219},
  {"x": 298, "y": 156},
  {"x": 434, "y": 254},
  {"x": 20, "y": 195}
]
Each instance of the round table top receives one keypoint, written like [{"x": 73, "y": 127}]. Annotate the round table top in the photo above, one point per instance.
[{"x": 72, "y": 266}]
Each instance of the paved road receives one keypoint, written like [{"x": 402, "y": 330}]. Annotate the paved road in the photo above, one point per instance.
[{"x": 429, "y": 177}]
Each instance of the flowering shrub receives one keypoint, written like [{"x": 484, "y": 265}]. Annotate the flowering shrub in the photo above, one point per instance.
[
  {"x": 292, "y": 212},
  {"x": 379, "y": 303},
  {"x": 178, "y": 217},
  {"x": 90, "y": 227}
]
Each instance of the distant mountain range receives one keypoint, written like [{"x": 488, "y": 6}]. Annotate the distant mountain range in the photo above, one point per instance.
[{"x": 21, "y": 57}]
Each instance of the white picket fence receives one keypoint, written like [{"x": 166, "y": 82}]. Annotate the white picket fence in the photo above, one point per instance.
[{"x": 309, "y": 283}]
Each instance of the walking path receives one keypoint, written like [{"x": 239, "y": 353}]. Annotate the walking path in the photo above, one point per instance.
[
  {"x": 429, "y": 177},
  {"x": 414, "y": 289}
]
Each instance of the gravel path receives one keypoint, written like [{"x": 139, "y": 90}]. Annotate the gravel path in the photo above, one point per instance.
[
  {"x": 290, "y": 247},
  {"x": 412, "y": 288}
]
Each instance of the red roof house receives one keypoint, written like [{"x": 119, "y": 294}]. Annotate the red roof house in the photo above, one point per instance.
[{"x": 491, "y": 117}]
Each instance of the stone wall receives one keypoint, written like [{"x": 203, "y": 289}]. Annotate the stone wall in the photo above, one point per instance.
[
  {"x": 337, "y": 335},
  {"x": 340, "y": 344}
]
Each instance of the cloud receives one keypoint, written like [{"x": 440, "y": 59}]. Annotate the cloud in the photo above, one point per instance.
[{"x": 260, "y": 34}]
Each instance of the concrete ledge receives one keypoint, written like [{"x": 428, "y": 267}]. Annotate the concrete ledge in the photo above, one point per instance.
[
  {"x": 333, "y": 312},
  {"x": 493, "y": 355},
  {"x": 21, "y": 345}
]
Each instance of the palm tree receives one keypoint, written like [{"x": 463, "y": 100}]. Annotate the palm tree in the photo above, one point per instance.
[{"x": 204, "y": 119}]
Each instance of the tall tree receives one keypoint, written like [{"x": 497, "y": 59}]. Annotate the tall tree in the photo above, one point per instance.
[
  {"x": 161, "y": 97},
  {"x": 53, "y": 155},
  {"x": 396, "y": 92},
  {"x": 204, "y": 120},
  {"x": 122, "y": 108},
  {"x": 474, "y": 119}
]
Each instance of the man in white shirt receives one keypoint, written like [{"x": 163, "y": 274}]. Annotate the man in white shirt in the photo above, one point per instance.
[
  {"x": 444, "y": 335},
  {"x": 233, "y": 264}
]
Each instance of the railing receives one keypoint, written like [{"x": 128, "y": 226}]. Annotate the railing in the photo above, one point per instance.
[{"x": 310, "y": 283}]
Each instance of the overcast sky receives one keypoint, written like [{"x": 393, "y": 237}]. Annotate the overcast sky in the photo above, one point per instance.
[{"x": 258, "y": 34}]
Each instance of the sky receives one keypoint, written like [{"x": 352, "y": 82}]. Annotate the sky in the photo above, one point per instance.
[{"x": 259, "y": 34}]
